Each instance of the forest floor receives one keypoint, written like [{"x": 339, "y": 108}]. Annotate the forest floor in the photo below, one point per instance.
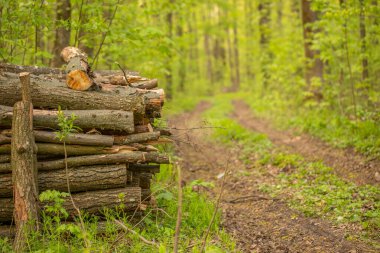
[{"x": 258, "y": 221}]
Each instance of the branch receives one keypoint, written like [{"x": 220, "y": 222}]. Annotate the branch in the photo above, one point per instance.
[{"x": 121, "y": 224}]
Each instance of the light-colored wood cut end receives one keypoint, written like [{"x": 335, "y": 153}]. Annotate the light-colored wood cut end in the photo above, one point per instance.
[{"x": 78, "y": 80}]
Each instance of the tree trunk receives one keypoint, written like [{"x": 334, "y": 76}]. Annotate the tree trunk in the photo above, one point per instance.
[
  {"x": 363, "y": 33},
  {"x": 23, "y": 161},
  {"x": 92, "y": 202},
  {"x": 51, "y": 93},
  {"x": 62, "y": 33},
  {"x": 314, "y": 64},
  {"x": 236, "y": 84},
  {"x": 84, "y": 178},
  {"x": 85, "y": 119},
  {"x": 169, "y": 72}
]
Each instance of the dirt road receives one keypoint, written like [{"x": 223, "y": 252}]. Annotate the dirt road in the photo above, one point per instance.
[{"x": 258, "y": 222}]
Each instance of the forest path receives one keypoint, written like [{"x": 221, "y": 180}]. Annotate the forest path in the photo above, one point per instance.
[
  {"x": 258, "y": 222},
  {"x": 346, "y": 162}
]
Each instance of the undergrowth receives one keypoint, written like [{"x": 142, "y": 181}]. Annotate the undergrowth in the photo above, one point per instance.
[
  {"x": 311, "y": 188},
  {"x": 156, "y": 224},
  {"x": 362, "y": 133}
]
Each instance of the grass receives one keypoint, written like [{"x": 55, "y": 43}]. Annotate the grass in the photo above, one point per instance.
[
  {"x": 311, "y": 188},
  {"x": 158, "y": 225},
  {"x": 321, "y": 121}
]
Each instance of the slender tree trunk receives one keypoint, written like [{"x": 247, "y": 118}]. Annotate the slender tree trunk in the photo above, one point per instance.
[
  {"x": 264, "y": 28},
  {"x": 62, "y": 34},
  {"x": 169, "y": 72},
  {"x": 182, "y": 59},
  {"x": 363, "y": 32},
  {"x": 314, "y": 64},
  {"x": 24, "y": 169},
  {"x": 236, "y": 84},
  {"x": 207, "y": 47}
]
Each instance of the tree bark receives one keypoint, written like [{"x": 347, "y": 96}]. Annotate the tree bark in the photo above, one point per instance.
[
  {"x": 146, "y": 168},
  {"x": 114, "y": 120},
  {"x": 23, "y": 161},
  {"x": 75, "y": 139},
  {"x": 4, "y": 139},
  {"x": 137, "y": 138},
  {"x": 53, "y": 149},
  {"x": 92, "y": 202},
  {"x": 51, "y": 93},
  {"x": 62, "y": 33},
  {"x": 314, "y": 64},
  {"x": 34, "y": 70},
  {"x": 84, "y": 178},
  {"x": 5, "y": 158},
  {"x": 363, "y": 32}
]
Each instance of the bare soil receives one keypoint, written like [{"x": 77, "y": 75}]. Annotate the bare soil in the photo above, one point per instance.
[
  {"x": 258, "y": 222},
  {"x": 346, "y": 163}
]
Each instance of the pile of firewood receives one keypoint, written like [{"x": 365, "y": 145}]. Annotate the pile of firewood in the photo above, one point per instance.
[{"x": 110, "y": 158}]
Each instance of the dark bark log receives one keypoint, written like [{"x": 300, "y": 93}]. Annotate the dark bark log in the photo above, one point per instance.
[
  {"x": 128, "y": 157},
  {"x": 144, "y": 168},
  {"x": 76, "y": 139},
  {"x": 51, "y": 93},
  {"x": 34, "y": 70},
  {"x": 71, "y": 139},
  {"x": 143, "y": 128},
  {"x": 85, "y": 119},
  {"x": 5, "y": 158},
  {"x": 53, "y": 149},
  {"x": 62, "y": 33},
  {"x": 136, "y": 138},
  {"x": 7, "y": 231},
  {"x": 145, "y": 180},
  {"x": 4, "y": 139},
  {"x": 146, "y": 195},
  {"x": 92, "y": 202},
  {"x": 85, "y": 178},
  {"x": 23, "y": 161}
]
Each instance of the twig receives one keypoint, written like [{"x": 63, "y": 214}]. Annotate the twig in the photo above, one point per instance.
[
  {"x": 216, "y": 207},
  {"x": 105, "y": 33},
  {"x": 72, "y": 200},
  {"x": 125, "y": 75},
  {"x": 179, "y": 211},
  {"x": 121, "y": 224},
  {"x": 194, "y": 128},
  {"x": 76, "y": 42},
  {"x": 247, "y": 198}
]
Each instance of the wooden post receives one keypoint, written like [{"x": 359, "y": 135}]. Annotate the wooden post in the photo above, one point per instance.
[{"x": 24, "y": 169}]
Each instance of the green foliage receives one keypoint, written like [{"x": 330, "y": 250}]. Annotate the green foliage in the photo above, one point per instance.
[
  {"x": 56, "y": 200},
  {"x": 65, "y": 124}
]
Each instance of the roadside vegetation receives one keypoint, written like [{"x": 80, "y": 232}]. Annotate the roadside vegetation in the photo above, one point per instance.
[{"x": 310, "y": 187}]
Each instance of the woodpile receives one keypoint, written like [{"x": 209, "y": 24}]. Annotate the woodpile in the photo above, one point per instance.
[{"x": 110, "y": 159}]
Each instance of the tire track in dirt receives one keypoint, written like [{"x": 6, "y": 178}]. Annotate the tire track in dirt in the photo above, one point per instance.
[
  {"x": 258, "y": 222},
  {"x": 346, "y": 163}
]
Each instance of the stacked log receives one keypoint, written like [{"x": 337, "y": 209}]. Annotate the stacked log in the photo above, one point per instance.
[{"x": 111, "y": 157}]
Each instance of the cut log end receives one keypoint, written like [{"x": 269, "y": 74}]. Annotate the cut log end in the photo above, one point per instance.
[{"x": 78, "y": 80}]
